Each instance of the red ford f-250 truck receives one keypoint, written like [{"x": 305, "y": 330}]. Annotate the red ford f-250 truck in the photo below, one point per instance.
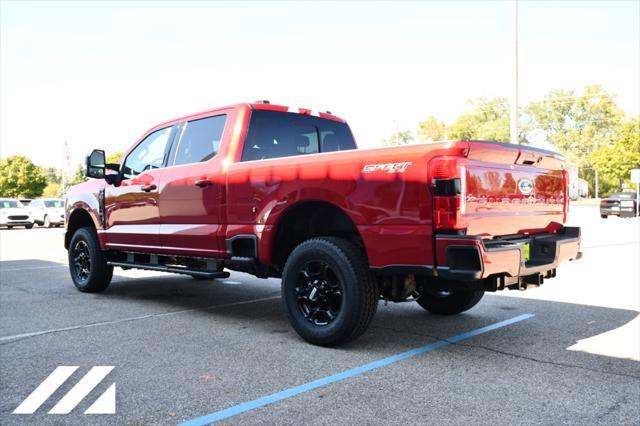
[{"x": 282, "y": 192}]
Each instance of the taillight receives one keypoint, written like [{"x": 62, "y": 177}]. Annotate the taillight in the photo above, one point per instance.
[
  {"x": 447, "y": 179},
  {"x": 566, "y": 201}
]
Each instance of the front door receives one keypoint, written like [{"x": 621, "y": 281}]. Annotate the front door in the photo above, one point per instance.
[
  {"x": 131, "y": 209},
  {"x": 191, "y": 197}
]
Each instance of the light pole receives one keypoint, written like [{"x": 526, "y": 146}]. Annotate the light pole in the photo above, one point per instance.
[{"x": 513, "y": 123}]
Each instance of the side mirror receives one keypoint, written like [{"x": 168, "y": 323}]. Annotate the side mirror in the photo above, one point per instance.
[{"x": 95, "y": 164}]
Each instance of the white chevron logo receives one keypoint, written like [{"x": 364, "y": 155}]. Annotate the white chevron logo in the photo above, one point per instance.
[{"x": 105, "y": 404}]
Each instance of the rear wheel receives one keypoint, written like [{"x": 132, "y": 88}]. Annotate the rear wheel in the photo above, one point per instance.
[
  {"x": 328, "y": 291},
  {"x": 29, "y": 226},
  {"x": 87, "y": 263},
  {"x": 449, "y": 302}
]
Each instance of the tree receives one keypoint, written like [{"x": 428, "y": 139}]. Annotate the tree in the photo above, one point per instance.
[
  {"x": 399, "y": 138},
  {"x": 488, "y": 120},
  {"x": 52, "y": 175},
  {"x": 52, "y": 190},
  {"x": 115, "y": 157},
  {"x": 431, "y": 130},
  {"x": 616, "y": 159},
  {"x": 577, "y": 125},
  {"x": 78, "y": 176},
  {"x": 19, "y": 177}
]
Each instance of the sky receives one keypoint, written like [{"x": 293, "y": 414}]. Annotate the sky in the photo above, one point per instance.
[{"x": 99, "y": 74}]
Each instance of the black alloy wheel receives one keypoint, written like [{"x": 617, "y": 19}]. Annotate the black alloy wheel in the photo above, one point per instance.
[{"x": 319, "y": 292}]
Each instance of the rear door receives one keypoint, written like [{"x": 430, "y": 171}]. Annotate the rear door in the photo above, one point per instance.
[
  {"x": 131, "y": 209},
  {"x": 191, "y": 197}
]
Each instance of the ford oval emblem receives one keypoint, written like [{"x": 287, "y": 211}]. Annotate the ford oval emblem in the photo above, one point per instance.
[{"x": 525, "y": 186}]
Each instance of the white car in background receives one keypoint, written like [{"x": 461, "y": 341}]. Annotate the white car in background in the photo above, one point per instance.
[
  {"x": 14, "y": 213},
  {"x": 47, "y": 212}
]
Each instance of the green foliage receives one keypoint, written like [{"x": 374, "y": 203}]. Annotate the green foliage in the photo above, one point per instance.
[
  {"x": 617, "y": 158},
  {"x": 575, "y": 124},
  {"x": 399, "y": 138},
  {"x": 52, "y": 174},
  {"x": 52, "y": 190},
  {"x": 431, "y": 130},
  {"x": 488, "y": 120},
  {"x": 19, "y": 177},
  {"x": 78, "y": 176},
  {"x": 115, "y": 157}
]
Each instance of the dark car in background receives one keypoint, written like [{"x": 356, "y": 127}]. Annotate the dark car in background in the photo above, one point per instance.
[{"x": 623, "y": 204}]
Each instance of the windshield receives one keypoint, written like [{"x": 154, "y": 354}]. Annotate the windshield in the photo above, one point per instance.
[
  {"x": 58, "y": 204},
  {"x": 10, "y": 204}
]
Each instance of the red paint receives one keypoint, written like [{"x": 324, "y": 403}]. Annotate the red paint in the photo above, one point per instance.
[{"x": 393, "y": 209}]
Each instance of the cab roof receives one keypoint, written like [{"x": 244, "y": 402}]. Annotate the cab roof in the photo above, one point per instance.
[{"x": 257, "y": 105}]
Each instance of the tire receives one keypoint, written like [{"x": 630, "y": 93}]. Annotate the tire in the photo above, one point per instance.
[
  {"x": 328, "y": 291},
  {"x": 87, "y": 263},
  {"x": 28, "y": 226},
  {"x": 9, "y": 227},
  {"x": 450, "y": 302},
  {"x": 604, "y": 216},
  {"x": 46, "y": 222}
]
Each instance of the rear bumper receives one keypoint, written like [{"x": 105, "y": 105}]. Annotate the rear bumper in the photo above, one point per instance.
[
  {"x": 620, "y": 211},
  {"x": 463, "y": 258}
]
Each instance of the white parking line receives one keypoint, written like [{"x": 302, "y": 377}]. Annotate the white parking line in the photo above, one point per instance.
[{"x": 164, "y": 314}]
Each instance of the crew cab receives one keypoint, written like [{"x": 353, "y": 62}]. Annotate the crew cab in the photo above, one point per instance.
[{"x": 284, "y": 192}]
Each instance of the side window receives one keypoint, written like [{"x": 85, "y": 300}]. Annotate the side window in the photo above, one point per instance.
[
  {"x": 279, "y": 135},
  {"x": 149, "y": 154},
  {"x": 200, "y": 140}
]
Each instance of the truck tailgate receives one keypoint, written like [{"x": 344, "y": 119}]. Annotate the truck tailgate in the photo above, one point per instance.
[{"x": 512, "y": 190}]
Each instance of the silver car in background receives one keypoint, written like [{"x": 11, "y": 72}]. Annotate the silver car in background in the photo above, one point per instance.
[
  {"x": 48, "y": 212},
  {"x": 14, "y": 213}
]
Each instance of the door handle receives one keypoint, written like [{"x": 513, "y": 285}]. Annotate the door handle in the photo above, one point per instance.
[
  {"x": 202, "y": 183},
  {"x": 149, "y": 188}
]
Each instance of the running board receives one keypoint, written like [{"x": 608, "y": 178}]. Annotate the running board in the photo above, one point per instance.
[{"x": 176, "y": 270}]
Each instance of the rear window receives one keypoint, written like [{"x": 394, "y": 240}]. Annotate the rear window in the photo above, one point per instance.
[{"x": 274, "y": 134}]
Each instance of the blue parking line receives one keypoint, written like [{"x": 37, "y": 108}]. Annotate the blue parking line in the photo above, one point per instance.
[{"x": 288, "y": 393}]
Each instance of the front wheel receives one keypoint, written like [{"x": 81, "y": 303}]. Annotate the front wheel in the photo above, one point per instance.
[
  {"x": 28, "y": 226},
  {"x": 87, "y": 263},
  {"x": 603, "y": 216},
  {"x": 47, "y": 222},
  {"x": 449, "y": 302},
  {"x": 328, "y": 291}
]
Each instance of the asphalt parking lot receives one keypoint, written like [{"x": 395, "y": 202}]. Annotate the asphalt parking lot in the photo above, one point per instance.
[{"x": 567, "y": 352}]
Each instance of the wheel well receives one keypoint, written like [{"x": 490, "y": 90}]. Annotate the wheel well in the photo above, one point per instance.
[
  {"x": 80, "y": 218},
  {"x": 307, "y": 220}
]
